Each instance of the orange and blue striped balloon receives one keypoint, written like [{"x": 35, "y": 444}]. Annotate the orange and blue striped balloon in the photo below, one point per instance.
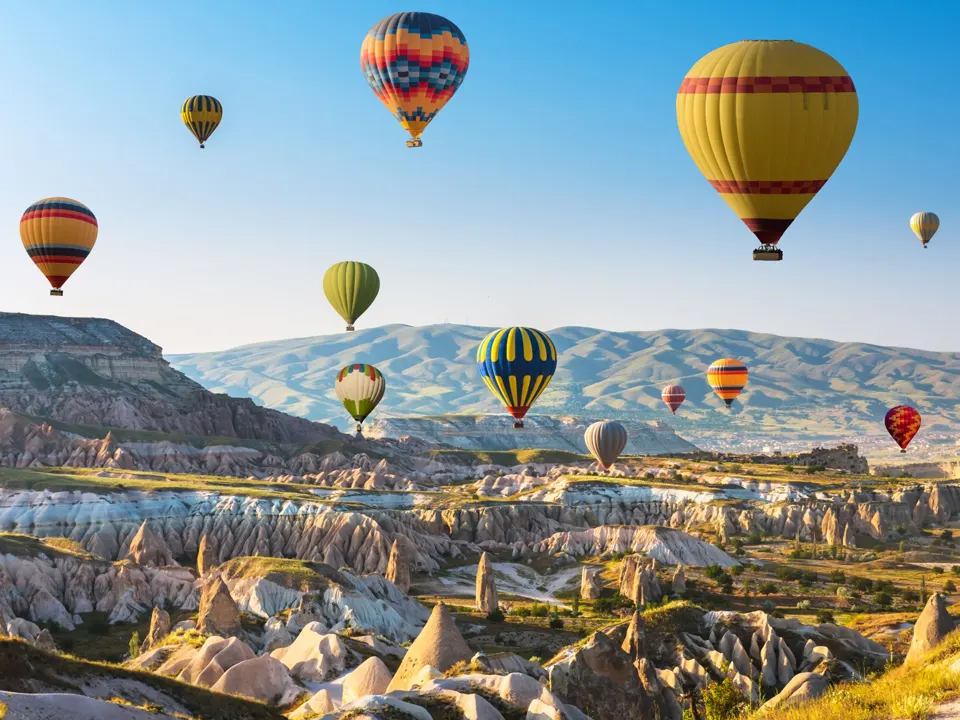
[
  {"x": 727, "y": 377},
  {"x": 58, "y": 233},
  {"x": 517, "y": 364},
  {"x": 414, "y": 62}
]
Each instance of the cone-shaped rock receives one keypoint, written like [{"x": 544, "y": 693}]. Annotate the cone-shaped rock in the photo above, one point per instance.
[
  {"x": 933, "y": 625},
  {"x": 206, "y": 555},
  {"x": 218, "y": 611},
  {"x": 487, "y": 599},
  {"x": 398, "y": 566},
  {"x": 635, "y": 643},
  {"x": 149, "y": 549},
  {"x": 439, "y": 645}
]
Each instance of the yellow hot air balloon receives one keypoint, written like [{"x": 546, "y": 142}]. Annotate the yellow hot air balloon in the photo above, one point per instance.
[
  {"x": 767, "y": 122},
  {"x": 201, "y": 114},
  {"x": 925, "y": 226},
  {"x": 58, "y": 233}
]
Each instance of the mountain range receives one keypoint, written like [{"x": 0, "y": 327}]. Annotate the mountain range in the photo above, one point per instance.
[{"x": 800, "y": 390}]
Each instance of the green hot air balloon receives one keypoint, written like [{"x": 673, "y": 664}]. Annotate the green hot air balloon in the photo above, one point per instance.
[{"x": 351, "y": 287}]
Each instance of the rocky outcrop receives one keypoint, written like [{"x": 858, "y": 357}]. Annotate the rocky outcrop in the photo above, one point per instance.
[
  {"x": 262, "y": 678},
  {"x": 159, "y": 628},
  {"x": 635, "y": 643},
  {"x": 801, "y": 688},
  {"x": 218, "y": 612},
  {"x": 314, "y": 656},
  {"x": 590, "y": 587},
  {"x": 398, "y": 565},
  {"x": 671, "y": 547},
  {"x": 439, "y": 645},
  {"x": 206, "y": 555},
  {"x": 371, "y": 678},
  {"x": 149, "y": 549},
  {"x": 487, "y": 599},
  {"x": 679, "y": 584},
  {"x": 933, "y": 625}
]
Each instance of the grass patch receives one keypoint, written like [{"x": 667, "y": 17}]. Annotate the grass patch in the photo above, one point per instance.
[
  {"x": 99, "y": 641},
  {"x": 25, "y": 669},
  {"x": 30, "y": 546},
  {"x": 909, "y": 692},
  {"x": 293, "y": 574}
]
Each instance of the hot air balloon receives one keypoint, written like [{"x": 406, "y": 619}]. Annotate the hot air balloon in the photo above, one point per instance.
[
  {"x": 605, "y": 440},
  {"x": 58, "y": 233},
  {"x": 201, "y": 114},
  {"x": 925, "y": 226},
  {"x": 414, "y": 62},
  {"x": 351, "y": 287},
  {"x": 903, "y": 422},
  {"x": 360, "y": 388},
  {"x": 673, "y": 396},
  {"x": 767, "y": 122},
  {"x": 727, "y": 377},
  {"x": 516, "y": 364}
]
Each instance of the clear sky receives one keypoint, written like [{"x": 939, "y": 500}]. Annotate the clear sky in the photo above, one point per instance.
[{"x": 554, "y": 189}]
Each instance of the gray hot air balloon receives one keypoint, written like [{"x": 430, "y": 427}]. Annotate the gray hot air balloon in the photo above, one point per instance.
[{"x": 605, "y": 440}]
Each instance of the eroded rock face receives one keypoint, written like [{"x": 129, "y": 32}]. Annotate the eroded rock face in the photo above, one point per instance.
[
  {"x": 933, "y": 625},
  {"x": 590, "y": 587},
  {"x": 149, "y": 549},
  {"x": 439, "y": 645},
  {"x": 487, "y": 598},
  {"x": 206, "y": 555},
  {"x": 398, "y": 566},
  {"x": 263, "y": 678},
  {"x": 159, "y": 628},
  {"x": 800, "y": 689},
  {"x": 218, "y": 611},
  {"x": 679, "y": 586}
]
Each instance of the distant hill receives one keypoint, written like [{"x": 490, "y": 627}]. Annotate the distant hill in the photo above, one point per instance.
[{"x": 800, "y": 389}]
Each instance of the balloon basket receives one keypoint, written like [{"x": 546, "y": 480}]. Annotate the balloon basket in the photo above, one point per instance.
[
  {"x": 350, "y": 328},
  {"x": 903, "y": 451},
  {"x": 415, "y": 142},
  {"x": 202, "y": 146},
  {"x": 518, "y": 425},
  {"x": 57, "y": 292},
  {"x": 360, "y": 430},
  {"x": 768, "y": 253}
]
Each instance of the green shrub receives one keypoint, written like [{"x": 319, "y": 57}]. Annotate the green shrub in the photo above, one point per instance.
[
  {"x": 949, "y": 587},
  {"x": 495, "y": 616},
  {"x": 824, "y": 616},
  {"x": 556, "y": 623},
  {"x": 883, "y": 599},
  {"x": 134, "y": 645}
]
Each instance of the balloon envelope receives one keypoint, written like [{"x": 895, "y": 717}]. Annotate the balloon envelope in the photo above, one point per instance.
[
  {"x": 201, "y": 114},
  {"x": 351, "y": 287},
  {"x": 606, "y": 440},
  {"x": 58, "y": 233},
  {"x": 673, "y": 396},
  {"x": 903, "y": 422},
  {"x": 727, "y": 377},
  {"x": 360, "y": 388},
  {"x": 925, "y": 226},
  {"x": 767, "y": 122},
  {"x": 414, "y": 62},
  {"x": 516, "y": 364}
]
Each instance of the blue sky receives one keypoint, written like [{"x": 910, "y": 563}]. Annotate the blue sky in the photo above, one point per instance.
[{"x": 553, "y": 190}]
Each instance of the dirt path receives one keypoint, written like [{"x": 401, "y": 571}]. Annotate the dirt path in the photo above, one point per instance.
[{"x": 949, "y": 711}]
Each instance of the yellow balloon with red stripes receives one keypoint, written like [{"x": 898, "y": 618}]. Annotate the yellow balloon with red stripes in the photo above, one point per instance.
[
  {"x": 767, "y": 122},
  {"x": 58, "y": 234},
  {"x": 727, "y": 377}
]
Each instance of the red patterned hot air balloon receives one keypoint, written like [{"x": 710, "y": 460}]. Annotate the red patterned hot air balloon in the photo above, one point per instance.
[
  {"x": 903, "y": 422},
  {"x": 673, "y": 396}
]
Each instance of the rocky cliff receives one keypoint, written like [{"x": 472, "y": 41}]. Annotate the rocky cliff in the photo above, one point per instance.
[
  {"x": 91, "y": 371},
  {"x": 496, "y": 432}
]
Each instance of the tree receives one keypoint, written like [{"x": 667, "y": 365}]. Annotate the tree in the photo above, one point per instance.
[
  {"x": 923, "y": 589},
  {"x": 824, "y": 616},
  {"x": 883, "y": 599},
  {"x": 575, "y": 606},
  {"x": 949, "y": 587},
  {"x": 947, "y": 535},
  {"x": 134, "y": 645},
  {"x": 937, "y": 570},
  {"x": 767, "y": 588},
  {"x": 723, "y": 701},
  {"x": 556, "y": 623}
]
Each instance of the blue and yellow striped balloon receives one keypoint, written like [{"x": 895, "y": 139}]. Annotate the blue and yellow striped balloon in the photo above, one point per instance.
[{"x": 517, "y": 364}]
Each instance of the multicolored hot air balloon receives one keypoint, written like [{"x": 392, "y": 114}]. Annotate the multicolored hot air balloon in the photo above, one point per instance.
[
  {"x": 727, "y": 377},
  {"x": 360, "y": 388},
  {"x": 351, "y": 287},
  {"x": 767, "y": 122},
  {"x": 201, "y": 114},
  {"x": 58, "y": 233},
  {"x": 903, "y": 422},
  {"x": 516, "y": 364},
  {"x": 673, "y": 396},
  {"x": 925, "y": 226},
  {"x": 414, "y": 62},
  {"x": 605, "y": 440}
]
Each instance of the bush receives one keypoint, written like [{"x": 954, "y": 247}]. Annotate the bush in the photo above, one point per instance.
[
  {"x": 947, "y": 535},
  {"x": 937, "y": 570},
  {"x": 556, "y": 624},
  {"x": 883, "y": 599},
  {"x": 767, "y": 588},
  {"x": 861, "y": 584},
  {"x": 495, "y": 616},
  {"x": 788, "y": 468},
  {"x": 787, "y": 573},
  {"x": 755, "y": 539},
  {"x": 824, "y": 616},
  {"x": 539, "y": 610},
  {"x": 134, "y": 645},
  {"x": 723, "y": 701},
  {"x": 714, "y": 572},
  {"x": 768, "y": 606},
  {"x": 911, "y": 596},
  {"x": 736, "y": 570},
  {"x": 804, "y": 605},
  {"x": 949, "y": 587},
  {"x": 838, "y": 577},
  {"x": 955, "y": 569}
]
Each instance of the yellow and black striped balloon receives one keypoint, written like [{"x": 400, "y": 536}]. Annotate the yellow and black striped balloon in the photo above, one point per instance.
[{"x": 201, "y": 114}]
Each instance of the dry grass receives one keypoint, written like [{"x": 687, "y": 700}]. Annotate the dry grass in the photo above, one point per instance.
[
  {"x": 909, "y": 692},
  {"x": 30, "y": 546}
]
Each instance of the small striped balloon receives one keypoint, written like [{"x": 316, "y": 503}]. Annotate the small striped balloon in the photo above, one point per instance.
[
  {"x": 727, "y": 377},
  {"x": 673, "y": 396},
  {"x": 925, "y": 226},
  {"x": 606, "y": 440}
]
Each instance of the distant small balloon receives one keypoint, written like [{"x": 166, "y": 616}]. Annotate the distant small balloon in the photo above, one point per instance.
[
  {"x": 727, "y": 377},
  {"x": 925, "y": 226},
  {"x": 606, "y": 440},
  {"x": 673, "y": 396},
  {"x": 902, "y": 422}
]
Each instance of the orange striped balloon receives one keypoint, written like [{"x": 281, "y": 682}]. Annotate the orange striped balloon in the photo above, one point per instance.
[{"x": 727, "y": 377}]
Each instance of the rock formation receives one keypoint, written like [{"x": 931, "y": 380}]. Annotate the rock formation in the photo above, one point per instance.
[
  {"x": 487, "y": 599},
  {"x": 679, "y": 585},
  {"x": 206, "y": 555},
  {"x": 933, "y": 625},
  {"x": 590, "y": 587},
  {"x": 159, "y": 628},
  {"x": 218, "y": 611},
  {"x": 371, "y": 678},
  {"x": 261, "y": 678},
  {"x": 398, "y": 565},
  {"x": 149, "y": 549},
  {"x": 634, "y": 644},
  {"x": 439, "y": 645}
]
